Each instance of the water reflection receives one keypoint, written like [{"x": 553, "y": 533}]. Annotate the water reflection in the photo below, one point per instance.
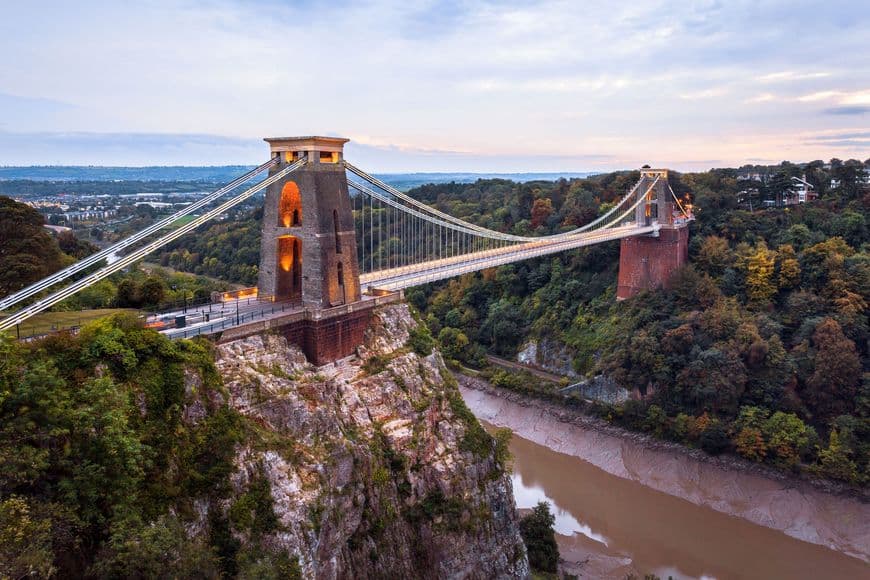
[
  {"x": 615, "y": 526},
  {"x": 527, "y": 497}
]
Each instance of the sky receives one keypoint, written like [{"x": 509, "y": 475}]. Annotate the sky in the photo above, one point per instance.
[{"x": 436, "y": 85}]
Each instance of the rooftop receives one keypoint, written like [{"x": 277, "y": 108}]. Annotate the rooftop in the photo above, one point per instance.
[{"x": 308, "y": 143}]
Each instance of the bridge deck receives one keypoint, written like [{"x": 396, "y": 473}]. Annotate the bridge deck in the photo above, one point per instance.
[{"x": 416, "y": 274}]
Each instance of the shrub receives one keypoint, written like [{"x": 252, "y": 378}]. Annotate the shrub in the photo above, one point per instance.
[
  {"x": 420, "y": 340},
  {"x": 750, "y": 444},
  {"x": 788, "y": 437},
  {"x": 503, "y": 454},
  {"x": 835, "y": 462},
  {"x": 375, "y": 364},
  {"x": 714, "y": 439}
]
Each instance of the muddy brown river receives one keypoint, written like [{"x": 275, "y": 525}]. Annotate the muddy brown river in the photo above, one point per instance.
[{"x": 621, "y": 508}]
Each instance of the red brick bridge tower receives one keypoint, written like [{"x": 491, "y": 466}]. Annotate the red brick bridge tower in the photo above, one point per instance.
[{"x": 649, "y": 262}]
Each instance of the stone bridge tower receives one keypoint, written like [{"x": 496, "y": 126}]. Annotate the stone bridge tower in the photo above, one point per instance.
[
  {"x": 308, "y": 247},
  {"x": 649, "y": 262}
]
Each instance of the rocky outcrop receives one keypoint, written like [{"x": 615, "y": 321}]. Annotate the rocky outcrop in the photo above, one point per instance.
[
  {"x": 549, "y": 355},
  {"x": 374, "y": 466}
]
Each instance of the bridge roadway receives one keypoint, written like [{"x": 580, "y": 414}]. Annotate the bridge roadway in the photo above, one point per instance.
[
  {"x": 416, "y": 274},
  {"x": 219, "y": 316},
  {"x": 216, "y": 317}
]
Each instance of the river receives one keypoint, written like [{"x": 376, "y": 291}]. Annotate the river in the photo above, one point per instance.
[{"x": 622, "y": 508}]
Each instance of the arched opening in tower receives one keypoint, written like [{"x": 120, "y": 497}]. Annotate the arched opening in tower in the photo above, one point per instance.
[
  {"x": 335, "y": 231},
  {"x": 290, "y": 207},
  {"x": 289, "y": 268}
]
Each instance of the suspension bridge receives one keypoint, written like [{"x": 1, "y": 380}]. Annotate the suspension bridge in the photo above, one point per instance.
[{"x": 336, "y": 242}]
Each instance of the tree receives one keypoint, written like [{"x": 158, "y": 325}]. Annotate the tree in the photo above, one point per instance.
[
  {"x": 541, "y": 210},
  {"x": 833, "y": 385},
  {"x": 153, "y": 291},
  {"x": 789, "y": 267},
  {"x": 714, "y": 439},
  {"x": 25, "y": 541},
  {"x": 27, "y": 251},
  {"x": 713, "y": 255},
  {"x": 70, "y": 244},
  {"x": 750, "y": 444},
  {"x": 453, "y": 343},
  {"x": 850, "y": 175},
  {"x": 782, "y": 187},
  {"x": 759, "y": 274},
  {"x": 539, "y": 536},
  {"x": 503, "y": 326},
  {"x": 128, "y": 294},
  {"x": 788, "y": 437},
  {"x": 834, "y": 460},
  {"x": 158, "y": 550}
]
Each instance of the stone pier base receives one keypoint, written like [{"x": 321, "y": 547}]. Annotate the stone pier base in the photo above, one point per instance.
[
  {"x": 325, "y": 341},
  {"x": 647, "y": 263},
  {"x": 324, "y": 335}
]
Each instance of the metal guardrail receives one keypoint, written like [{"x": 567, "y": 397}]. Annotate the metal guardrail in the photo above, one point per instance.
[
  {"x": 231, "y": 321},
  {"x": 294, "y": 310},
  {"x": 434, "y": 271}
]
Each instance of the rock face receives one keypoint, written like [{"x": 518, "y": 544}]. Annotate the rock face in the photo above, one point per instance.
[
  {"x": 549, "y": 355},
  {"x": 375, "y": 467}
]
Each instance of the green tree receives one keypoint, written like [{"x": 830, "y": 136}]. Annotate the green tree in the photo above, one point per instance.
[
  {"x": 27, "y": 251},
  {"x": 714, "y": 439},
  {"x": 453, "y": 343},
  {"x": 25, "y": 542},
  {"x": 835, "y": 460},
  {"x": 503, "y": 326},
  {"x": 161, "y": 549},
  {"x": 153, "y": 291},
  {"x": 788, "y": 437},
  {"x": 714, "y": 255},
  {"x": 538, "y": 533}
]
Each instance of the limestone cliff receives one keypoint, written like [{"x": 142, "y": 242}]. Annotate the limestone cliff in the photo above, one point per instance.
[
  {"x": 374, "y": 466},
  {"x": 548, "y": 354}
]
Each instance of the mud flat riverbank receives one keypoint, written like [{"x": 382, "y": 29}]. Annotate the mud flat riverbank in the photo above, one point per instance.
[{"x": 662, "y": 509}]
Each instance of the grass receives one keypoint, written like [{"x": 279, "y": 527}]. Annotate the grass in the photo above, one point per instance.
[
  {"x": 181, "y": 221},
  {"x": 52, "y": 321}
]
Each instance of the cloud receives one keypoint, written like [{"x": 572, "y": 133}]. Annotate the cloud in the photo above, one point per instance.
[
  {"x": 856, "y": 140},
  {"x": 786, "y": 76},
  {"x": 842, "y": 97},
  {"x": 704, "y": 94},
  {"x": 576, "y": 84},
  {"x": 761, "y": 98},
  {"x": 437, "y": 82},
  {"x": 847, "y": 110},
  {"x": 862, "y": 135},
  {"x": 856, "y": 98},
  {"x": 819, "y": 96}
]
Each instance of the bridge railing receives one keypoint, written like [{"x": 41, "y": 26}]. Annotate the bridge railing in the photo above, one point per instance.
[
  {"x": 234, "y": 320},
  {"x": 293, "y": 310}
]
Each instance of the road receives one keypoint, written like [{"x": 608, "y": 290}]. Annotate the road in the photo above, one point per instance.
[
  {"x": 214, "y": 317},
  {"x": 434, "y": 270}
]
